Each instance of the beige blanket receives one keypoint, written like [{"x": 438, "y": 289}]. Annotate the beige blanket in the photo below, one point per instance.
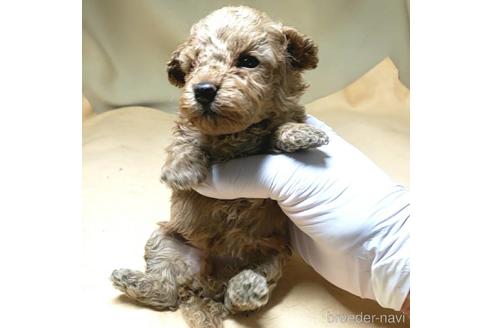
[{"x": 123, "y": 199}]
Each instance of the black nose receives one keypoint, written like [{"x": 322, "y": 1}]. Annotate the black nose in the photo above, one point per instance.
[{"x": 204, "y": 92}]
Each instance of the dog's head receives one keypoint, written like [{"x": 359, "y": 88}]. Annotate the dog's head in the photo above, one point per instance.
[{"x": 238, "y": 68}]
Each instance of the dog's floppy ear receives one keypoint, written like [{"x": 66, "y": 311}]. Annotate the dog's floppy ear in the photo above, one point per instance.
[
  {"x": 175, "y": 67},
  {"x": 302, "y": 52}
]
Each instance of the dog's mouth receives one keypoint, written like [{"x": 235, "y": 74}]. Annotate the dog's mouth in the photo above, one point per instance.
[
  {"x": 218, "y": 117},
  {"x": 208, "y": 111},
  {"x": 211, "y": 121}
]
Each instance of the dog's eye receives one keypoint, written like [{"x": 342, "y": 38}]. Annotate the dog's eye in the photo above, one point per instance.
[{"x": 247, "y": 61}]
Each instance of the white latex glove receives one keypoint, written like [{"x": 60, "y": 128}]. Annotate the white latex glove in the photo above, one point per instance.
[{"x": 350, "y": 220}]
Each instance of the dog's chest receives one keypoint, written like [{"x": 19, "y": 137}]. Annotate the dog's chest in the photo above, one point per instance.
[{"x": 255, "y": 140}]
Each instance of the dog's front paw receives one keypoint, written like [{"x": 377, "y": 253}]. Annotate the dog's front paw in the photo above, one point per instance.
[
  {"x": 292, "y": 137},
  {"x": 183, "y": 177},
  {"x": 246, "y": 291}
]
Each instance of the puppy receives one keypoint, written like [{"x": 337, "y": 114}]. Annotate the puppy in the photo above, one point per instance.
[{"x": 240, "y": 74}]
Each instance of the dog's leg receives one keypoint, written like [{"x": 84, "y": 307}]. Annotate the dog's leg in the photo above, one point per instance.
[
  {"x": 272, "y": 270},
  {"x": 170, "y": 264},
  {"x": 291, "y": 137},
  {"x": 250, "y": 289},
  {"x": 186, "y": 163},
  {"x": 203, "y": 312},
  {"x": 146, "y": 288}
]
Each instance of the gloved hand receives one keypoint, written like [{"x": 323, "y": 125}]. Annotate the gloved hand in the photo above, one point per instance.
[{"x": 350, "y": 221}]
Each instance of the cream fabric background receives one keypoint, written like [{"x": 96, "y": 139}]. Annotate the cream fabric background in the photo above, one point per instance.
[{"x": 126, "y": 43}]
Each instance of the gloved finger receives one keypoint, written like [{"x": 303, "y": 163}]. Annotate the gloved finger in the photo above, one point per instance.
[
  {"x": 249, "y": 177},
  {"x": 261, "y": 176}
]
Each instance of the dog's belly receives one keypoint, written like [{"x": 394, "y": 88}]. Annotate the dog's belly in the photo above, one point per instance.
[{"x": 242, "y": 228}]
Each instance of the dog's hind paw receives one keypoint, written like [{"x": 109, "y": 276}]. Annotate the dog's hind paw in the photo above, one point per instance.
[
  {"x": 145, "y": 288},
  {"x": 247, "y": 291}
]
